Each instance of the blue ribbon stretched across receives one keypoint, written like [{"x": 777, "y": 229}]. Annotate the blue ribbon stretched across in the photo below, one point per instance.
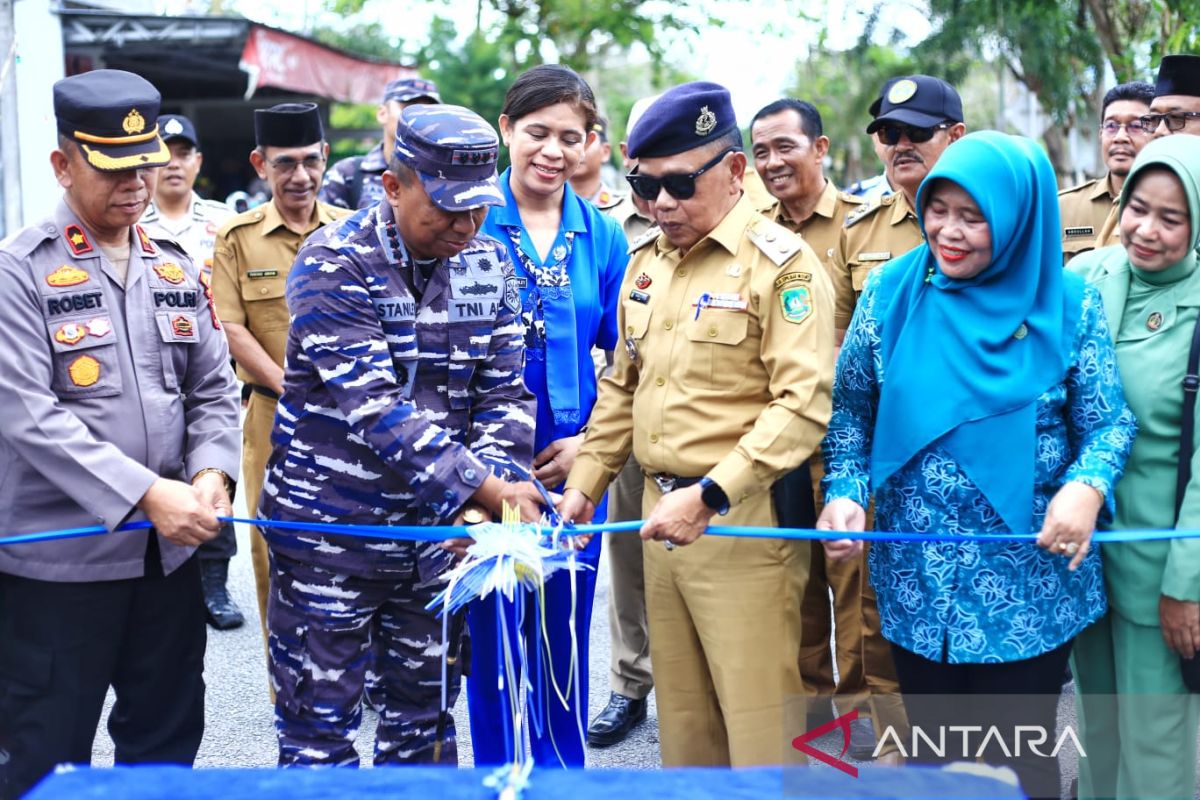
[{"x": 438, "y": 533}]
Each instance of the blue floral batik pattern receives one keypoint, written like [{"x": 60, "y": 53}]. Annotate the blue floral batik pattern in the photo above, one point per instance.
[{"x": 980, "y": 602}]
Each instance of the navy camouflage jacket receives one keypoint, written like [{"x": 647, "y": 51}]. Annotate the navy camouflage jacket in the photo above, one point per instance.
[{"x": 398, "y": 400}]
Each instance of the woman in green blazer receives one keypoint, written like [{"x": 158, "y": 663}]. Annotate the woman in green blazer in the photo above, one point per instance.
[{"x": 1139, "y": 720}]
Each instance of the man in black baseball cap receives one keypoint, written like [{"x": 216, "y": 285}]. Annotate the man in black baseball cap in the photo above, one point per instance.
[
  {"x": 1176, "y": 104},
  {"x": 357, "y": 182}
]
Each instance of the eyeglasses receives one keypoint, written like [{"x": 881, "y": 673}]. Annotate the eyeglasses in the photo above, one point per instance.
[
  {"x": 679, "y": 186},
  {"x": 287, "y": 164},
  {"x": 1176, "y": 120},
  {"x": 1137, "y": 127},
  {"x": 891, "y": 132}
]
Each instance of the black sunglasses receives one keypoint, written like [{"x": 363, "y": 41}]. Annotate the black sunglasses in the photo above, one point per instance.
[
  {"x": 681, "y": 187},
  {"x": 1176, "y": 120},
  {"x": 891, "y": 132}
]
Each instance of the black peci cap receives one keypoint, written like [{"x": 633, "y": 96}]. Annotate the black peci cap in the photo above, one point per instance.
[
  {"x": 288, "y": 125},
  {"x": 1178, "y": 75}
]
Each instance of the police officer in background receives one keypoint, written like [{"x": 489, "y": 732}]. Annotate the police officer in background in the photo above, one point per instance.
[
  {"x": 789, "y": 148},
  {"x": 588, "y": 179},
  {"x": 177, "y": 212},
  {"x": 1084, "y": 208},
  {"x": 357, "y": 182},
  {"x": 119, "y": 405},
  {"x": 630, "y": 677},
  {"x": 405, "y": 363},
  {"x": 916, "y": 118},
  {"x": 251, "y": 260},
  {"x": 723, "y": 385}
]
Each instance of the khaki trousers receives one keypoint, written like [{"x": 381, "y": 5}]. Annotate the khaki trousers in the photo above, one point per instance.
[
  {"x": 629, "y": 670},
  {"x": 724, "y": 618},
  {"x": 256, "y": 448}
]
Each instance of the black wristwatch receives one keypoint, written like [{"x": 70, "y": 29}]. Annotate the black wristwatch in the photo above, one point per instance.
[{"x": 714, "y": 496}]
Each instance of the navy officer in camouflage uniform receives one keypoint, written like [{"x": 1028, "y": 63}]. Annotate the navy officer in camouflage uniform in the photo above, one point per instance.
[
  {"x": 403, "y": 404},
  {"x": 118, "y": 404},
  {"x": 357, "y": 182}
]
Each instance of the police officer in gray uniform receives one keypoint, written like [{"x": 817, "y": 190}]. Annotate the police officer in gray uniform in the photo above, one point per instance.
[
  {"x": 403, "y": 403},
  {"x": 119, "y": 404}
]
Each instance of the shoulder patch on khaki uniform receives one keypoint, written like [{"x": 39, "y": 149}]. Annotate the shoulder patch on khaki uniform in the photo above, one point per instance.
[
  {"x": 863, "y": 211},
  {"x": 851, "y": 199},
  {"x": 646, "y": 238},
  {"x": 1079, "y": 188},
  {"x": 241, "y": 220},
  {"x": 776, "y": 242}
]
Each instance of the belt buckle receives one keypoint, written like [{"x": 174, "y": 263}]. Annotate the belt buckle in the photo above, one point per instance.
[{"x": 666, "y": 483}]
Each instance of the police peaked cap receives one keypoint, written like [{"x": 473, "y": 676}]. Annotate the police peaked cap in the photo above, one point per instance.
[
  {"x": 113, "y": 116},
  {"x": 683, "y": 118},
  {"x": 288, "y": 125}
]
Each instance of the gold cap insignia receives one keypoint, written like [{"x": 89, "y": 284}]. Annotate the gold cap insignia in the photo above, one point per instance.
[
  {"x": 901, "y": 91},
  {"x": 84, "y": 371},
  {"x": 706, "y": 122},
  {"x": 134, "y": 122}
]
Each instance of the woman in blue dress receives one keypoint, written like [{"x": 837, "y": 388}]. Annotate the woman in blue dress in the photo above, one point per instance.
[
  {"x": 977, "y": 393},
  {"x": 570, "y": 260}
]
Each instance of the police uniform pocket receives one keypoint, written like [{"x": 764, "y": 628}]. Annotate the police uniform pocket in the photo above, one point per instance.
[
  {"x": 176, "y": 331},
  {"x": 85, "y": 358},
  {"x": 714, "y": 359},
  {"x": 266, "y": 306}
]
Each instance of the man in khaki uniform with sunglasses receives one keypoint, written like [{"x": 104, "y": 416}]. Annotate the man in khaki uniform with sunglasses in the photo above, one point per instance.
[
  {"x": 722, "y": 386},
  {"x": 916, "y": 118}
]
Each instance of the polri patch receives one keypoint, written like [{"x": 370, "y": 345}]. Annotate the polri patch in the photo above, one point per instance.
[
  {"x": 796, "y": 304},
  {"x": 170, "y": 272},
  {"x": 84, "y": 371},
  {"x": 77, "y": 240},
  {"x": 67, "y": 276}
]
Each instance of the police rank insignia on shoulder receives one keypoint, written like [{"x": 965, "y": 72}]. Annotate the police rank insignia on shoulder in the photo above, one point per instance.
[
  {"x": 144, "y": 240},
  {"x": 796, "y": 303},
  {"x": 67, "y": 276},
  {"x": 169, "y": 272},
  {"x": 77, "y": 240}
]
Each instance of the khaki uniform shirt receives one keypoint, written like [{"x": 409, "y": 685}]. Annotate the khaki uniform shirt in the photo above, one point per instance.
[
  {"x": 874, "y": 233},
  {"x": 738, "y": 389},
  {"x": 630, "y": 219},
  {"x": 109, "y": 383},
  {"x": 1085, "y": 209},
  {"x": 824, "y": 227},
  {"x": 251, "y": 260}
]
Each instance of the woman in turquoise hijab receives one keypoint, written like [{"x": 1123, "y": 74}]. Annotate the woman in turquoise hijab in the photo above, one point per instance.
[
  {"x": 1139, "y": 718},
  {"x": 976, "y": 394}
]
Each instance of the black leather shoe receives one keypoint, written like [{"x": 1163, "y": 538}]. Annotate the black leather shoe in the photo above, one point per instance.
[
  {"x": 619, "y": 717},
  {"x": 222, "y": 613},
  {"x": 862, "y": 740}
]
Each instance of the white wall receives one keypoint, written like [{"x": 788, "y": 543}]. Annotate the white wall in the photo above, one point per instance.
[{"x": 39, "y": 65}]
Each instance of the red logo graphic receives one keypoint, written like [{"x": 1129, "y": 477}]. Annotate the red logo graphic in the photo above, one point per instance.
[
  {"x": 801, "y": 743},
  {"x": 642, "y": 281}
]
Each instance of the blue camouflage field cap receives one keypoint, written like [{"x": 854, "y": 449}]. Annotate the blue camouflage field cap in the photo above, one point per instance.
[
  {"x": 454, "y": 151},
  {"x": 683, "y": 118}
]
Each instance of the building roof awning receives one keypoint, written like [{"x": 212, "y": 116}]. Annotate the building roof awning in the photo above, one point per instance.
[{"x": 195, "y": 57}]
